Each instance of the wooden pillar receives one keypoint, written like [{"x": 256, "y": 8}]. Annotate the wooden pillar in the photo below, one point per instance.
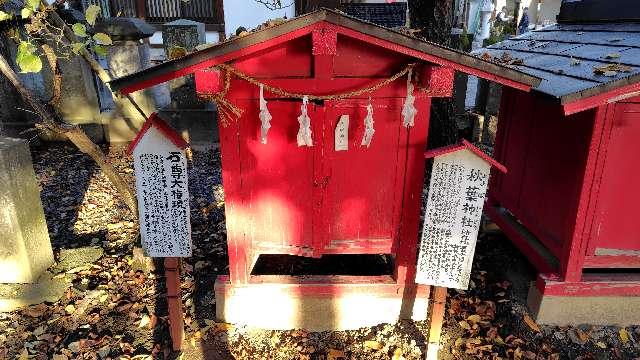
[
  {"x": 435, "y": 325},
  {"x": 174, "y": 302},
  {"x": 141, "y": 10}
]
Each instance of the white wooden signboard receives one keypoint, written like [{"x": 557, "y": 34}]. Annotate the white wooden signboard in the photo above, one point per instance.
[
  {"x": 454, "y": 206},
  {"x": 163, "y": 196}
]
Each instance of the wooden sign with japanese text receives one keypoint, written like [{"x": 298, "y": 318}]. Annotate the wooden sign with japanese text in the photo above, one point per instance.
[
  {"x": 163, "y": 196},
  {"x": 454, "y": 207}
]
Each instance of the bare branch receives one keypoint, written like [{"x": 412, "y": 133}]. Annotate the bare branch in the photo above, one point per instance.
[{"x": 274, "y": 4}]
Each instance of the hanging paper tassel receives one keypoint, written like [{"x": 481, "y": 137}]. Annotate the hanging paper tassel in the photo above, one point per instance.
[
  {"x": 304, "y": 133},
  {"x": 265, "y": 117},
  {"x": 368, "y": 126},
  {"x": 408, "y": 110}
]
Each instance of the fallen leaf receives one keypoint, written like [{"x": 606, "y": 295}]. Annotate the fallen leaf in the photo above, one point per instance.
[
  {"x": 335, "y": 354},
  {"x": 397, "y": 354},
  {"x": 465, "y": 325},
  {"x": 74, "y": 346},
  {"x": 474, "y": 318},
  {"x": 584, "y": 337},
  {"x": 38, "y": 331},
  {"x": 70, "y": 309},
  {"x": 372, "y": 344},
  {"x": 612, "y": 56},
  {"x": 624, "y": 335},
  {"x": 60, "y": 357},
  {"x": 601, "y": 345},
  {"x": 532, "y": 324},
  {"x": 144, "y": 321},
  {"x": 36, "y": 310}
]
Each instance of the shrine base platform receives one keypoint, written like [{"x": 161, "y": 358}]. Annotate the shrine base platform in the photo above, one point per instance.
[
  {"x": 337, "y": 303},
  {"x": 575, "y": 310}
]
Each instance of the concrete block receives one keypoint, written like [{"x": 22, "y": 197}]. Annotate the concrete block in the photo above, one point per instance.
[
  {"x": 576, "y": 310},
  {"x": 181, "y": 37},
  {"x": 46, "y": 289},
  {"x": 290, "y": 308},
  {"x": 25, "y": 248}
]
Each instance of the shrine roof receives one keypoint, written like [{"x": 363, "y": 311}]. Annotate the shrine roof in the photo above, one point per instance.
[
  {"x": 383, "y": 14},
  {"x": 379, "y": 36},
  {"x": 462, "y": 145},
  {"x": 154, "y": 120},
  {"x": 574, "y": 60}
]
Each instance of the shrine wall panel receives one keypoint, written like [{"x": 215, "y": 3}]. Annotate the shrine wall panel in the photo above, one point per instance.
[
  {"x": 545, "y": 153},
  {"x": 357, "y": 58},
  {"x": 615, "y": 229},
  {"x": 290, "y": 59}
]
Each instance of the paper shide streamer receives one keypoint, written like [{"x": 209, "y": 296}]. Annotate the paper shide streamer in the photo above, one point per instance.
[
  {"x": 409, "y": 111},
  {"x": 304, "y": 132},
  {"x": 265, "y": 117},
  {"x": 368, "y": 126}
]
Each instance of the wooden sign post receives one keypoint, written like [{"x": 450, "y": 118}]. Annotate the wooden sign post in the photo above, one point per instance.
[
  {"x": 457, "y": 190},
  {"x": 163, "y": 205}
]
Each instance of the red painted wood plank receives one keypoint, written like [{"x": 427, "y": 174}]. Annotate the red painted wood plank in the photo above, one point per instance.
[
  {"x": 360, "y": 195},
  {"x": 439, "y": 303},
  {"x": 412, "y": 194},
  {"x": 332, "y": 286},
  {"x": 519, "y": 240},
  {"x": 612, "y": 96},
  {"x": 437, "y": 80},
  {"x": 174, "y": 302},
  {"x": 218, "y": 60},
  {"x": 604, "y": 133},
  {"x": 234, "y": 211},
  {"x": 616, "y": 214},
  {"x": 240, "y": 89},
  {"x": 611, "y": 261},
  {"x": 572, "y": 259},
  {"x": 599, "y": 285}
]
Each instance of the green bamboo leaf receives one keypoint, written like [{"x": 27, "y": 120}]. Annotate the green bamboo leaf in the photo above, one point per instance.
[
  {"x": 102, "y": 39},
  {"x": 91, "y": 14},
  {"x": 76, "y": 47},
  {"x": 4, "y": 16},
  {"x": 26, "y": 59},
  {"x": 25, "y": 13},
  {"x": 100, "y": 50},
  {"x": 79, "y": 29},
  {"x": 32, "y": 4}
]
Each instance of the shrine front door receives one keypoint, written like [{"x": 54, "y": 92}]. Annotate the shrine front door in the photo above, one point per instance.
[{"x": 315, "y": 200}]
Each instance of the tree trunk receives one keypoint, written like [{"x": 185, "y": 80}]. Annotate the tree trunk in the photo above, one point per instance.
[
  {"x": 128, "y": 107},
  {"x": 434, "y": 20},
  {"x": 74, "y": 134}
]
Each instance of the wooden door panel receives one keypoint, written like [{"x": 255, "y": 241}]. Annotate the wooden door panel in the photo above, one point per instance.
[
  {"x": 616, "y": 222},
  {"x": 277, "y": 179},
  {"x": 361, "y": 203}
]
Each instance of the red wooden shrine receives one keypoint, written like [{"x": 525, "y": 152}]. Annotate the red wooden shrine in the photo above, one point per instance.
[
  {"x": 569, "y": 200},
  {"x": 314, "y": 201}
]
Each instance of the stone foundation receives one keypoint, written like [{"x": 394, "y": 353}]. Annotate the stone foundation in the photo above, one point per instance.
[{"x": 318, "y": 307}]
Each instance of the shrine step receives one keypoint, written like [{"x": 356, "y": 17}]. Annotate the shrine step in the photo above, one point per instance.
[{"x": 318, "y": 306}]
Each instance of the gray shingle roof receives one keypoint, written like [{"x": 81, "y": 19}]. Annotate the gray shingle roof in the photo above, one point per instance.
[
  {"x": 387, "y": 15},
  {"x": 566, "y": 55}
]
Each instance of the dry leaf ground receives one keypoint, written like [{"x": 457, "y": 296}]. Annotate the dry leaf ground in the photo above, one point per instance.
[{"x": 113, "y": 309}]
